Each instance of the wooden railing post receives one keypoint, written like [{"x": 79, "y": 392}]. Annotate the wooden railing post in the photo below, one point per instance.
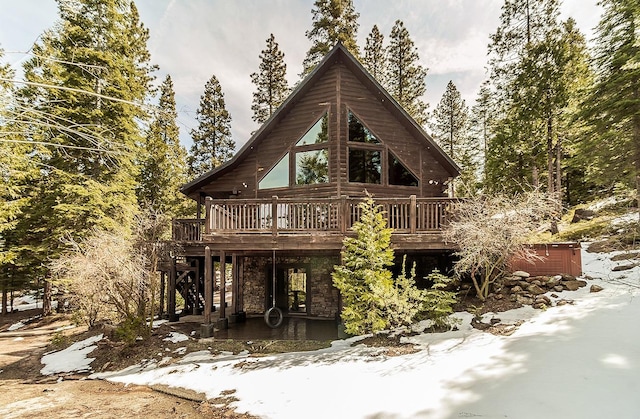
[
  {"x": 413, "y": 219},
  {"x": 274, "y": 215},
  {"x": 207, "y": 218},
  {"x": 343, "y": 214}
]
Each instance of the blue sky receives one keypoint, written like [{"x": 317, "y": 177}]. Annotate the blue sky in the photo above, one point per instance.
[{"x": 194, "y": 39}]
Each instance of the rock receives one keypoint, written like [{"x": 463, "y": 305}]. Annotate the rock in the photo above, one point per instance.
[
  {"x": 536, "y": 282},
  {"x": 543, "y": 299},
  {"x": 553, "y": 281},
  {"x": 524, "y": 300},
  {"x": 516, "y": 289},
  {"x": 574, "y": 285},
  {"x": 521, "y": 274},
  {"x": 595, "y": 288},
  {"x": 558, "y": 288},
  {"x": 625, "y": 267},
  {"x": 535, "y": 289},
  {"x": 582, "y": 214},
  {"x": 510, "y": 281},
  {"x": 564, "y": 302}
]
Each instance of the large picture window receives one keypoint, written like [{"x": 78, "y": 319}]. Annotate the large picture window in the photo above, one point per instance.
[
  {"x": 312, "y": 167},
  {"x": 365, "y": 166}
]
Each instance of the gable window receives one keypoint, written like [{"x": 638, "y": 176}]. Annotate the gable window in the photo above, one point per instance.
[
  {"x": 365, "y": 166},
  {"x": 278, "y": 176},
  {"x": 399, "y": 174},
  {"x": 365, "y": 153},
  {"x": 317, "y": 134},
  {"x": 312, "y": 154},
  {"x": 308, "y": 163},
  {"x": 312, "y": 167}
]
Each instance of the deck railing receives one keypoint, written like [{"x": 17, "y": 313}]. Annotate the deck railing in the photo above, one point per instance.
[{"x": 295, "y": 215}]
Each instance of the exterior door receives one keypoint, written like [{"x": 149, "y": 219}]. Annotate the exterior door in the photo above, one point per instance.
[{"x": 291, "y": 289}]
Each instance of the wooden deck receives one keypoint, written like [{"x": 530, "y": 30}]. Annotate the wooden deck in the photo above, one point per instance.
[{"x": 309, "y": 224}]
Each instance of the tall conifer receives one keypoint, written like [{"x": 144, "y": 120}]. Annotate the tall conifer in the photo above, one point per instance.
[
  {"x": 90, "y": 76},
  {"x": 405, "y": 76},
  {"x": 612, "y": 107},
  {"x": 272, "y": 87},
  {"x": 163, "y": 166},
  {"x": 333, "y": 21},
  {"x": 375, "y": 55},
  {"x": 212, "y": 142}
]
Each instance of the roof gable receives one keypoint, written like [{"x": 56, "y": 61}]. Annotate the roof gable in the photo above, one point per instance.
[{"x": 338, "y": 53}]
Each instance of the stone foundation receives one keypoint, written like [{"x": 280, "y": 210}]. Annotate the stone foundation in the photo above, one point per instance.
[{"x": 322, "y": 295}]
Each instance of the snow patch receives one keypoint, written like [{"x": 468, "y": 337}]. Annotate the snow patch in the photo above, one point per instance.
[
  {"x": 72, "y": 359},
  {"x": 175, "y": 337}
]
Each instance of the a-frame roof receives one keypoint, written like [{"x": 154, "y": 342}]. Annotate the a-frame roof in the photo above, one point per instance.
[{"x": 339, "y": 52}]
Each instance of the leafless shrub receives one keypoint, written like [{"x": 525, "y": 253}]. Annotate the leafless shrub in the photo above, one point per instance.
[
  {"x": 490, "y": 231},
  {"x": 112, "y": 276}
]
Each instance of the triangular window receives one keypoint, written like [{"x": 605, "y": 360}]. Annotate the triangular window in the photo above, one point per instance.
[
  {"x": 399, "y": 174},
  {"x": 317, "y": 134},
  {"x": 278, "y": 176},
  {"x": 359, "y": 133}
]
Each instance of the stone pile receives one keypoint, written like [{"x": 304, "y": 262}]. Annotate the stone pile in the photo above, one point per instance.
[{"x": 530, "y": 290}]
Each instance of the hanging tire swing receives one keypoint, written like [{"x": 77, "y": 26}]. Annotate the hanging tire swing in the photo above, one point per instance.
[{"x": 273, "y": 317}]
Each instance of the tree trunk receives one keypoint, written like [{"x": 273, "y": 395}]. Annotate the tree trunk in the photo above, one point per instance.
[
  {"x": 559, "y": 169},
  {"x": 46, "y": 299},
  {"x": 550, "y": 156},
  {"x": 4, "y": 299},
  {"x": 636, "y": 146}
]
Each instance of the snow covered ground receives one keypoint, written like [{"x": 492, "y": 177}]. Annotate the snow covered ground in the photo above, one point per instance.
[{"x": 571, "y": 361}]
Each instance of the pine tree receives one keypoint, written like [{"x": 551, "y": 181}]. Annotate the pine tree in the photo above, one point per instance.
[
  {"x": 212, "y": 142},
  {"x": 366, "y": 259},
  {"x": 534, "y": 59},
  {"x": 16, "y": 172},
  {"x": 333, "y": 21},
  {"x": 451, "y": 130},
  {"x": 481, "y": 120},
  {"x": 612, "y": 107},
  {"x": 450, "y": 120},
  {"x": 405, "y": 76},
  {"x": 272, "y": 87},
  {"x": 163, "y": 166},
  {"x": 375, "y": 55},
  {"x": 372, "y": 299},
  {"x": 89, "y": 78}
]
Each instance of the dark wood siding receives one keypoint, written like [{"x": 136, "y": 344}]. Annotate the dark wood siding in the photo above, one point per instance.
[{"x": 336, "y": 92}]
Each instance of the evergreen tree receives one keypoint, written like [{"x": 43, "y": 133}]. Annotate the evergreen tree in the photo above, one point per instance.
[
  {"x": 481, "y": 120},
  {"x": 163, "y": 165},
  {"x": 450, "y": 120},
  {"x": 405, "y": 76},
  {"x": 333, "y": 21},
  {"x": 372, "y": 299},
  {"x": 89, "y": 77},
  {"x": 451, "y": 130},
  {"x": 212, "y": 142},
  {"x": 375, "y": 55},
  {"x": 534, "y": 60},
  {"x": 612, "y": 107},
  {"x": 271, "y": 83},
  {"x": 16, "y": 172}
]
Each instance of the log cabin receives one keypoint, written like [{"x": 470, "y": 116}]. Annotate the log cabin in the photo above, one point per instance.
[{"x": 271, "y": 221}]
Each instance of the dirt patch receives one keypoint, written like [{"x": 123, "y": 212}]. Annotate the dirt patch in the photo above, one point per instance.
[
  {"x": 392, "y": 344},
  {"x": 94, "y": 398}
]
